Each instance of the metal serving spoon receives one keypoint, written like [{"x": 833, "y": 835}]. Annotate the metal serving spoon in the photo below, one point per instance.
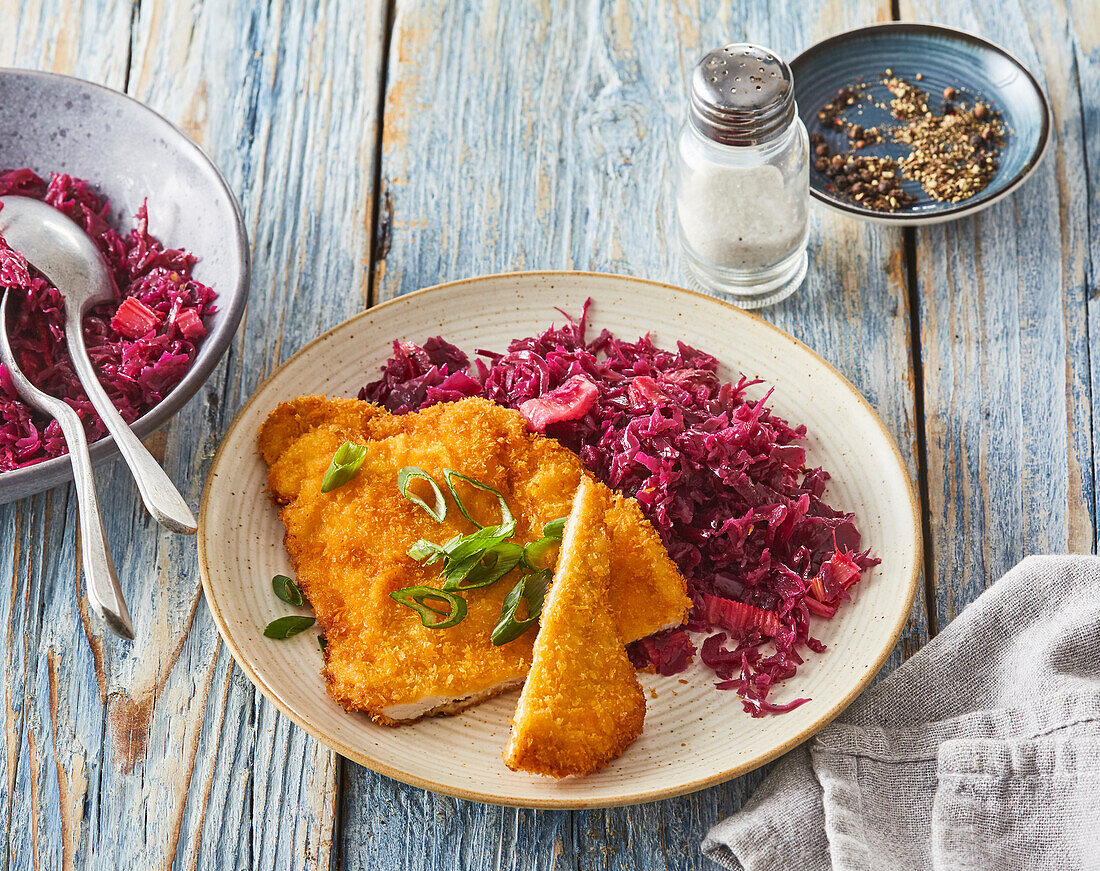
[
  {"x": 65, "y": 254},
  {"x": 104, "y": 593}
]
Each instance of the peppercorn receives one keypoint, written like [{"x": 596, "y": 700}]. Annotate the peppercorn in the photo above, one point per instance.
[
  {"x": 949, "y": 93},
  {"x": 821, "y": 150},
  {"x": 981, "y": 111},
  {"x": 856, "y": 132},
  {"x": 821, "y": 164}
]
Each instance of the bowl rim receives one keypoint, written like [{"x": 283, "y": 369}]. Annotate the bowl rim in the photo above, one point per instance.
[
  {"x": 57, "y": 470},
  {"x": 958, "y": 210},
  {"x": 210, "y": 595}
]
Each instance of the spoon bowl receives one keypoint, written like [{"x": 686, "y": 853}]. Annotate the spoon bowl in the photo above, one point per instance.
[
  {"x": 64, "y": 253},
  {"x": 59, "y": 249}
]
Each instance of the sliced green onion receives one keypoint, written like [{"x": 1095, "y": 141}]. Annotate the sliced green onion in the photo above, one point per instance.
[
  {"x": 345, "y": 463},
  {"x": 536, "y": 550},
  {"x": 287, "y": 590},
  {"x": 413, "y": 473},
  {"x": 473, "y": 545},
  {"x": 285, "y": 627},
  {"x": 555, "y": 528},
  {"x": 426, "y": 550},
  {"x": 419, "y": 599},
  {"x": 531, "y": 587},
  {"x": 322, "y": 642},
  {"x": 493, "y": 565},
  {"x": 507, "y": 524}
]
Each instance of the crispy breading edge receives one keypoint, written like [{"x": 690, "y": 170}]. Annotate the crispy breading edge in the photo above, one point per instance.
[{"x": 570, "y": 754}]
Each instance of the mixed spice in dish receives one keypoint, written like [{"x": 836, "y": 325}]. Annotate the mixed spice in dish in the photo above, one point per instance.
[
  {"x": 953, "y": 146},
  {"x": 141, "y": 345}
]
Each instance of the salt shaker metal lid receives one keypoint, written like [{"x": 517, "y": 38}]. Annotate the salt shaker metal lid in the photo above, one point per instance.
[{"x": 741, "y": 94}]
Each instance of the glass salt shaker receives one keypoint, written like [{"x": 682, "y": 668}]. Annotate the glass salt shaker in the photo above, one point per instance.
[{"x": 742, "y": 178}]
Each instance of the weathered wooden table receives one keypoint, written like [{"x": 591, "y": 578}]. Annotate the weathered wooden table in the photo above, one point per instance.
[{"x": 378, "y": 147}]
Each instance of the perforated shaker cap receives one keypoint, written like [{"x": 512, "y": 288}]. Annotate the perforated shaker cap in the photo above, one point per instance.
[{"x": 741, "y": 94}]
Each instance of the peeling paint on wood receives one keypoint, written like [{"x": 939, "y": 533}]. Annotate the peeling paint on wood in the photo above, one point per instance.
[
  {"x": 1006, "y": 329},
  {"x": 145, "y": 755}
]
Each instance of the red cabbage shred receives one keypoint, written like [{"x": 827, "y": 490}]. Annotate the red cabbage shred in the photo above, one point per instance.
[
  {"x": 141, "y": 345},
  {"x": 721, "y": 478}
]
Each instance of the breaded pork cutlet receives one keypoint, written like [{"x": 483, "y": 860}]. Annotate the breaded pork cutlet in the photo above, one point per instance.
[
  {"x": 349, "y": 546},
  {"x": 581, "y": 704}
]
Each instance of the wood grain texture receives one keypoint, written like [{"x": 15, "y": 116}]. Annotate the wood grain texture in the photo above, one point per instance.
[
  {"x": 514, "y": 136},
  {"x": 520, "y": 137},
  {"x": 160, "y": 754},
  {"x": 1005, "y": 327},
  {"x": 50, "y": 671}
]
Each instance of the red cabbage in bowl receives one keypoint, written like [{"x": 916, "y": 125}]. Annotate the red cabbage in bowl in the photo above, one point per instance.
[
  {"x": 721, "y": 478},
  {"x": 141, "y": 345}
]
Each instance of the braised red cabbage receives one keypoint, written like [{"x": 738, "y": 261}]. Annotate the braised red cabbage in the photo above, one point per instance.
[{"x": 141, "y": 345}]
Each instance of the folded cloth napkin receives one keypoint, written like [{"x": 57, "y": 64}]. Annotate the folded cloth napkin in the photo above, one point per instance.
[{"x": 980, "y": 752}]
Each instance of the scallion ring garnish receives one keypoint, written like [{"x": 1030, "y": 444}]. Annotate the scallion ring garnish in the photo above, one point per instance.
[
  {"x": 555, "y": 528},
  {"x": 531, "y": 588},
  {"x": 412, "y": 473},
  {"x": 507, "y": 524},
  {"x": 473, "y": 545},
  {"x": 285, "y": 627},
  {"x": 420, "y": 599},
  {"x": 490, "y": 567},
  {"x": 345, "y": 463},
  {"x": 287, "y": 590},
  {"x": 426, "y": 550},
  {"x": 536, "y": 550}
]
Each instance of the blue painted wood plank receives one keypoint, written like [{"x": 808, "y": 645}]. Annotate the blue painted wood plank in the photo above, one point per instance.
[
  {"x": 49, "y": 669},
  {"x": 1005, "y": 331},
  {"x": 1085, "y": 45},
  {"x": 160, "y": 754},
  {"x": 518, "y": 137}
]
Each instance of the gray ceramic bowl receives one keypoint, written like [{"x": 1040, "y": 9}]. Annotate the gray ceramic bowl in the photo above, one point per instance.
[{"x": 54, "y": 123}]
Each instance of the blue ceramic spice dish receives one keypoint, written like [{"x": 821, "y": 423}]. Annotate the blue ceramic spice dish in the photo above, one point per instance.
[{"x": 942, "y": 57}]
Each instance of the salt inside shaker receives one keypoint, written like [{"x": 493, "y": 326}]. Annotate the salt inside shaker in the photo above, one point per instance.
[{"x": 742, "y": 177}]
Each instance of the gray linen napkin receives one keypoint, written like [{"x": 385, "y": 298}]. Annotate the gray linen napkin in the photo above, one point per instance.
[{"x": 980, "y": 752}]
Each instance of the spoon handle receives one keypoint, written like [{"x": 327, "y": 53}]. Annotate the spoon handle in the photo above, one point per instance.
[
  {"x": 162, "y": 500},
  {"x": 104, "y": 592}
]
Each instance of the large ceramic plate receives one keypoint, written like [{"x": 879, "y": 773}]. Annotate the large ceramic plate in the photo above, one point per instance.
[{"x": 694, "y": 735}]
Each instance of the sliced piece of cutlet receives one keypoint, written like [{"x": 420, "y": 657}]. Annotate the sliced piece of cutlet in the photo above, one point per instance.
[
  {"x": 581, "y": 705},
  {"x": 349, "y": 547}
]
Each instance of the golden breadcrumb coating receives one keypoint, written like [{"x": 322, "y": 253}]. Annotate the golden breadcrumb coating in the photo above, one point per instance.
[
  {"x": 349, "y": 546},
  {"x": 581, "y": 705}
]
